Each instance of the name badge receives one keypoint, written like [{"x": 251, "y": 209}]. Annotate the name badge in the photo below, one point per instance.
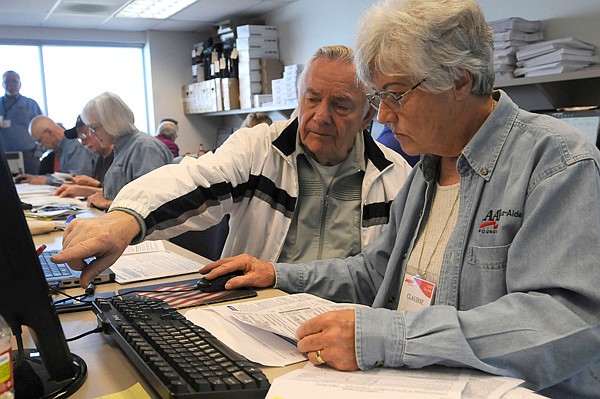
[{"x": 416, "y": 293}]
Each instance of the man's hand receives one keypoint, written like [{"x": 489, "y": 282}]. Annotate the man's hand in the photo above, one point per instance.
[
  {"x": 98, "y": 200},
  {"x": 257, "y": 273},
  {"x": 104, "y": 237},
  {"x": 31, "y": 179},
  {"x": 75, "y": 190},
  {"x": 332, "y": 334},
  {"x": 84, "y": 180}
]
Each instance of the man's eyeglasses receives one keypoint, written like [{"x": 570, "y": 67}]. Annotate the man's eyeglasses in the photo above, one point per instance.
[
  {"x": 390, "y": 98},
  {"x": 93, "y": 129}
]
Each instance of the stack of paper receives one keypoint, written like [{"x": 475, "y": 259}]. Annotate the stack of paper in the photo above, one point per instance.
[
  {"x": 555, "y": 56},
  {"x": 510, "y": 35}
]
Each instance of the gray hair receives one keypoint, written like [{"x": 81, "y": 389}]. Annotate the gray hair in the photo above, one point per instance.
[
  {"x": 167, "y": 129},
  {"x": 109, "y": 110},
  {"x": 437, "y": 40},
  {"x": 338, "y": 53}
]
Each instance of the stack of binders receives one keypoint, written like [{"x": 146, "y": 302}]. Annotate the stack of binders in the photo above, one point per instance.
[
  {"x": 555, "y": 56},
  {"x": 510, "y": 35}
]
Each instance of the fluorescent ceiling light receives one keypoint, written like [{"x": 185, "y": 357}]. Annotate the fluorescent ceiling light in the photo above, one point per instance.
[{"x": 157, "y": 9}]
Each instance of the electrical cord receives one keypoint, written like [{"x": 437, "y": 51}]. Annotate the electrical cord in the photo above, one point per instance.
[
  {"x": 94, "y": 331},
  {"x": 89, "y": 291}
]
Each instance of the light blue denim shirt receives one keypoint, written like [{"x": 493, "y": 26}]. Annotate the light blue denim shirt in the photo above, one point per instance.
[
  {"x": 519, "y": 288},
  {"x": 135, "y": 154}
]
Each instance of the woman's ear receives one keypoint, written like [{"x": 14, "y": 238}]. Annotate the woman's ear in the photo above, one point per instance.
[{"x": 462, "y": 86}]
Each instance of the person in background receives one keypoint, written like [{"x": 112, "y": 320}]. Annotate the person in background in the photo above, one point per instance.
[
  {"x": 111, "y": 121},
  {"x": 314, "y": 187},
  {"x": 174, "y": 121},
  {"x": 387, "y": 138},
  {"x": 166, "y": 132},
  {"x": 82, "y": 185},
  {"x": 69, "y": 156},
  {"x": 254, "y": 118},
  {"x": 490, "y": 259},
  {"x": 17, "y": 111}
]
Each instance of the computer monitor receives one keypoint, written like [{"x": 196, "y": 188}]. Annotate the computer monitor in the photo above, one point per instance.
[
  {"x": 25, "y": 300},
  {"x": 15, "y": 162},
  {"x": 587, "y": 120}
]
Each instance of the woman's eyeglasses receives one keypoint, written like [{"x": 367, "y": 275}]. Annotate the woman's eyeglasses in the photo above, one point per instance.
[
  {"x": 390, "y": 98},
  {"x": 93, "y": 129}
]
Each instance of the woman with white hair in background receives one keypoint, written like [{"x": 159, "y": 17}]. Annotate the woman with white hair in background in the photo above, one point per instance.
[
  {"x": 166, "y": 132},
  {"x": 135, "y": 153}
]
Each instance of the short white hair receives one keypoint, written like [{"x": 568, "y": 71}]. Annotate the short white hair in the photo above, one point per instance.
[
  {"x": 109, "y": 110},
  {"x": 437, "y": 40}
]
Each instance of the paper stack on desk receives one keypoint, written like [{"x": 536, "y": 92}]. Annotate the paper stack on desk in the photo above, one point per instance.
[
  {"x": 323, "y": 382},
  {"x": 149, "y": 260},
  {"x": 264, "y": 331}
]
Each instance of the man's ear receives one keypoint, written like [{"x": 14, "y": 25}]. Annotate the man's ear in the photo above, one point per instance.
[
  {"x": 368, "y": 117},
  {"x": 462, "y": 86}
]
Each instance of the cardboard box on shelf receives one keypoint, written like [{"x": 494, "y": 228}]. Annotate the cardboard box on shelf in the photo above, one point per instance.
[
  {"x": 230, "y": 90},
  {"x": 270, "y": 69},
  {"x": 247, "y": 43},
  {"x": 253, "y": 76},
  {"x": 257, "y": 31},
  {"x": 246, "y": 55},
  {"x": 260, "y": 100}
]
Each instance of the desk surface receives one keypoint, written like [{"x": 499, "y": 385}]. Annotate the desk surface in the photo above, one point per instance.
[{"x": 109, "y": 370}]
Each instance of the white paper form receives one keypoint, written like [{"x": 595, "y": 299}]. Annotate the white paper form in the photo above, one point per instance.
[
  {"x": 283, "y": 315},
  {"x": 325, "y": 383},
  {"x": 26, "y": 190},
  {"x": 145, "y": 246},
  {"x": 486, "y": 386},
  {"x": 255, "y": 329},
  {"x": 255, "y": 344},
  {"x": 149, "y": 265}
]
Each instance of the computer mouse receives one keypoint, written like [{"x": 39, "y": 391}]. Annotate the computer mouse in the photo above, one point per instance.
[
  {"x": 19, "y": 179},
  {"x": 216, "y": 284}
]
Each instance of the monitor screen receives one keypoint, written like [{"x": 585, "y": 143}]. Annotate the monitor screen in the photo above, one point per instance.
[
  {"x": 25, "y": 299},
  {"x": 588, "y": 121}
]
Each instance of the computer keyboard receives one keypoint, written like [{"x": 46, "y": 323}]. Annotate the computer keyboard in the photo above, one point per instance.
[
  {"x": 176, "y": 357},
  {"x": 52, "y": 269}
]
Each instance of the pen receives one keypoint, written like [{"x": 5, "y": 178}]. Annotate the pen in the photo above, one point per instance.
[
  {"x": 41, "y": 249},
  {"x": 70, "y": 219},
  {"x": 37, "y": 217}
]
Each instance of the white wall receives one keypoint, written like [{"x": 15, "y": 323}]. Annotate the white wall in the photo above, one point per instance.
[
  {"x": 169, "y": 54},
  {"x": 306, "y": 25}
]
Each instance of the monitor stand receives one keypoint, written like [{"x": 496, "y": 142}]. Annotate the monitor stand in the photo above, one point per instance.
[{"x": 32, "y": 379}]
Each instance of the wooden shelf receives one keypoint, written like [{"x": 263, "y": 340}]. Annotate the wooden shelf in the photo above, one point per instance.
[
  {"x": 275, "y": 108},
  {"x": 571, "y": 89}
]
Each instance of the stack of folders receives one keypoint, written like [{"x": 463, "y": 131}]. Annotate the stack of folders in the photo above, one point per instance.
[
  {"x": 510, "y": 34},
  {"x": 555, "y": 56}
]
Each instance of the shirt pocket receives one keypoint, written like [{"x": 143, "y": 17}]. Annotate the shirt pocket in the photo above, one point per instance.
[{"x": 483, "y": 279}]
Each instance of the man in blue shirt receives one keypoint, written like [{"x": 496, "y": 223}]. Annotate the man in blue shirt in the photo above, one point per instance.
[
  {"x": 16, "y": 112},
  {"x": 70, "y": 156}
]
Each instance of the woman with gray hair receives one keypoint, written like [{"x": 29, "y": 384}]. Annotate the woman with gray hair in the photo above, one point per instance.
[
  {"x": 490, "y": 260},
  {"x": 166, "y": 133},
  {"x": 135, "y": 153}
]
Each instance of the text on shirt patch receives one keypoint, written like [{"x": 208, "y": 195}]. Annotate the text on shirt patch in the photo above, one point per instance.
[{"x": 490, "y": 223}]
